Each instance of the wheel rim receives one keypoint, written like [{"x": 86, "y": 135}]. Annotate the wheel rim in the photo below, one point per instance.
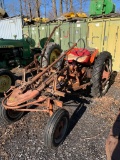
[
  {"x": 107, "y": 68},
  {"x": 54, "y": 55},
  {"x": 13, "y": 115},
  {"x": 60, "y": 130},
  {"x": 5, "y": 83}
]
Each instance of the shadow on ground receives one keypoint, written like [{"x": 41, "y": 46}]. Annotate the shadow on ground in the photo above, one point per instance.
[
  {"x": 76, "y": 116},
  {"x": 80, "y": 105}
]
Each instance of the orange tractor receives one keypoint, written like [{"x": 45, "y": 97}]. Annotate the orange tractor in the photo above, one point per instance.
[{"x": 41, "y": 87}]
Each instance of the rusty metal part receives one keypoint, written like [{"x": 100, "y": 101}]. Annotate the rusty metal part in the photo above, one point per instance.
[
  {"x": 33, "y": 63},
  {"x": 57, "y": 93},
  {"x": 50, "y": 106},
  {"x": 113, "y": 141},
  {"x": 106, "y": 75},
  {"x": 35, "y": 102},
  {"x": 77, "y": 87},
  {"x": 20, "y": 97},
  {"x": 89, "y": 73},
  {"x": 24, "y": 86},
  {"x": 17, "y": 97},
  {"x": 43, "y": 104},
  {"x": 93, "y": 55},
  {"x": 42, "y": 89},
  {"x": 45, "y": 46},
  {"x": 50, "y": 36},
  {"x": 86, "y": 72}
]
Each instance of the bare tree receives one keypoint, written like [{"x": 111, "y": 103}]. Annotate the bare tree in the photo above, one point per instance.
[
  {"x": 71, "y": 5},
  {"x": 81, "y": 4},
  {"x": 61, "y": 7},
  {"x": 12, "y": 8},
  {"x": 50, "y": 15},
  {"x": 21, "y": 10},
  {"x": 37, "y": 8},
  {"x": 26, "y": 8},
  {"x": 66, "y": 5},
  {"x": 45, "y": 7},
  {"x": 54, "y": 8},
  {"x": 30, "y": 10}
]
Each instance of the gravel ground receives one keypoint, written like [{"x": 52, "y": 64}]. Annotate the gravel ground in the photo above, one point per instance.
[{"x": 90, "y": 122}]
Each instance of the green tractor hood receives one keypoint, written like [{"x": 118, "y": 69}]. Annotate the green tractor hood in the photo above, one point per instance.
[
  {"x": 13, "y": 43},
  {"x": 9, "y": 43}
]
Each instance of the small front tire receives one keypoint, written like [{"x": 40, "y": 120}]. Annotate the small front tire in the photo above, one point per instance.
[
  {"x": 10, "y": 116},
  {"x": 56, "y": 128}
]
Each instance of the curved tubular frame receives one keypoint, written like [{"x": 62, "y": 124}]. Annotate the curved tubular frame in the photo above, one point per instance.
[{"x": 21, "y": 96}]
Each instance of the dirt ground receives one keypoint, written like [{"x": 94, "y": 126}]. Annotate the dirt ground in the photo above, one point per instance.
[{"x": 90, "y": 123}]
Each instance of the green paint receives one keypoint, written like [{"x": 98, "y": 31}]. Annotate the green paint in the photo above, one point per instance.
[{"x": 99, "y": 7}]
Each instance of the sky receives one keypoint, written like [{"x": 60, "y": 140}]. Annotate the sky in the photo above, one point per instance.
[{"x": 116, "y": 2}]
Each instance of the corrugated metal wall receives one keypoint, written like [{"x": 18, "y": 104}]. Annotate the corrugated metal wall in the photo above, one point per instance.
[
  {"x": 104, "y": 34},
  {"x": 11, "y": 27}
]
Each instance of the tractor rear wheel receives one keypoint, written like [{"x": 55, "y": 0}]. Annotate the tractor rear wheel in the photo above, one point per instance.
[
  {"x": 56, "y": 128},
  {"x": 6, "y": 80},
  {"x": 52, "y": 52},
  {"x": 101, "y": 74}
]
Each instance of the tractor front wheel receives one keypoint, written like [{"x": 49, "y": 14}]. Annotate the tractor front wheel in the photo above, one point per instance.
[
  {"x": 9, "y": 115},
  {"x": 56, "y": 128},
  {"x": 101, "y": 74}
]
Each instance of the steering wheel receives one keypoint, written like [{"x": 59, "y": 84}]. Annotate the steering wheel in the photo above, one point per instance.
[{"x": 81, "y": 39}]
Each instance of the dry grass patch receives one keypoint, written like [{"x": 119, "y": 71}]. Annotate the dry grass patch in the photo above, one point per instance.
[{"x": 106, "y": 108}]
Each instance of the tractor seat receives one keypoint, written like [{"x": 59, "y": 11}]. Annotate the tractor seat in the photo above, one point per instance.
[{"x": 79, "y": 54}]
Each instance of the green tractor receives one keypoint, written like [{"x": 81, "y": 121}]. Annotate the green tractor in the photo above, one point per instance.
[
  {"x": 14, "y": 53},
  {"x": 101, "y": 7},
  {"x": 18, "y": 54}
]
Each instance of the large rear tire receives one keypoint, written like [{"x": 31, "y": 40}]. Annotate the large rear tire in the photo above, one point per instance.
[
  {"x": 6, "y": 80},
  {"x": 52, "y": 52},
  {"x": 56, "y": 128},
  {"x": 101, "y": 74}
]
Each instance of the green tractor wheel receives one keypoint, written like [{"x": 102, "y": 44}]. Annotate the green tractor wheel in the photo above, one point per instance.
[
  {"x": 6, "y": 80},
  {"x": 54, "y": 55},
  {"x": 53, "y": 51}
]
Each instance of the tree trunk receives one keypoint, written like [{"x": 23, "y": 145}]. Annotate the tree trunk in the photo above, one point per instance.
[
  {"x": 54, "y": 8},
  {"x": 37, "y": 8},
  {"x": 30, "y": 11},
  {"x": 71, "y": 5},
  {"x": 61, "y": 7},
  {"x": 66, "y": 5},
  {"x": 21, "y": 10},
  {"x": 81, "y": 3}
]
